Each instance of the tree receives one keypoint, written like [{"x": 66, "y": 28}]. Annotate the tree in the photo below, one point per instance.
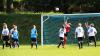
[
  {"x": 9, "y": 6},
  {"x": 1, "y": 5}
]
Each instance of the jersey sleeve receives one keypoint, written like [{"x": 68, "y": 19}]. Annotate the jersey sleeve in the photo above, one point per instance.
[
  {"x": 95, "y": 30},
  {"x": 83, "y": 29},
  {"x": 7, "y": 31}
]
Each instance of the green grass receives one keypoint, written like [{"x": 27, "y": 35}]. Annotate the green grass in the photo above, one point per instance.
[{"x": 51, "y": 50}]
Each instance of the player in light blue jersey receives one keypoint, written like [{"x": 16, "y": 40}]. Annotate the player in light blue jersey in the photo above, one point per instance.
[
  {"x": 34, "y": 36},
  {"x": 15, "y": 35}
]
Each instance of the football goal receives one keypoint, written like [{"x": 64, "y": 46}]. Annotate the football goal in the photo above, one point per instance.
[{"x": 50, "y": 25}]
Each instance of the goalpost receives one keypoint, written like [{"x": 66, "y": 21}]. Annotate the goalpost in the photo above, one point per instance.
[
  {"x": 50, "y": 21},
  {"x": 42, "y": 21}
]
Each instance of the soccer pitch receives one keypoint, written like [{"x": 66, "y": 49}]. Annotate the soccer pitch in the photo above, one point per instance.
[{"x": 51, "y": 50}]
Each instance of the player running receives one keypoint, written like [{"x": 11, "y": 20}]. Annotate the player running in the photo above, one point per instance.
[
  {"x": 91, "y": 33},
  {"x": 61, "y": 36},
  {"x": 79, "y": 32}
]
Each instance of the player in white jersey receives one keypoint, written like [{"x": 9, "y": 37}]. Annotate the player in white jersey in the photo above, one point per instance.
[
  {"x": 61, "y": 36},
  {"x": 79, "y": 33},
  {"x": 91, "y": 33},
  {"x": 5, "y": 36}
]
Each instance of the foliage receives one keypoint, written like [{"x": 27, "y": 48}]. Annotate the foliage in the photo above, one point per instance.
[{"x": 66, "y": 6}]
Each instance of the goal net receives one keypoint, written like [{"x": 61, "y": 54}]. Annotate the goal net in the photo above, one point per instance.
[{"x": 50, "y": 25}]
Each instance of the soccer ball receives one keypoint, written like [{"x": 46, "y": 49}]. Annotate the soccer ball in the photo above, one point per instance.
[
  {"x": 56, "y": 8},
  {"x": 91, "y": 43}
]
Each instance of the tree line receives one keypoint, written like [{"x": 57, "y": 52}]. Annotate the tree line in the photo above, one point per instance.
[{"x": 66, "y": 6}]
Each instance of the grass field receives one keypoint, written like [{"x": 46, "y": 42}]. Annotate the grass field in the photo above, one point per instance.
[{"x": 51, "y": 50}]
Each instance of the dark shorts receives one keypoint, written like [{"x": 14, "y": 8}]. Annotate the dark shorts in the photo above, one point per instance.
[
  {"x": 61, "y": 38},
  {"x": 92, "y": 38},
  {"x": 66, "y": 34},
  {"x": 13, "y": 39},
  {"x": 5, "y": 38},
  {"x": 33, "y": 39},
  {"x": 80, "y": 38}
]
